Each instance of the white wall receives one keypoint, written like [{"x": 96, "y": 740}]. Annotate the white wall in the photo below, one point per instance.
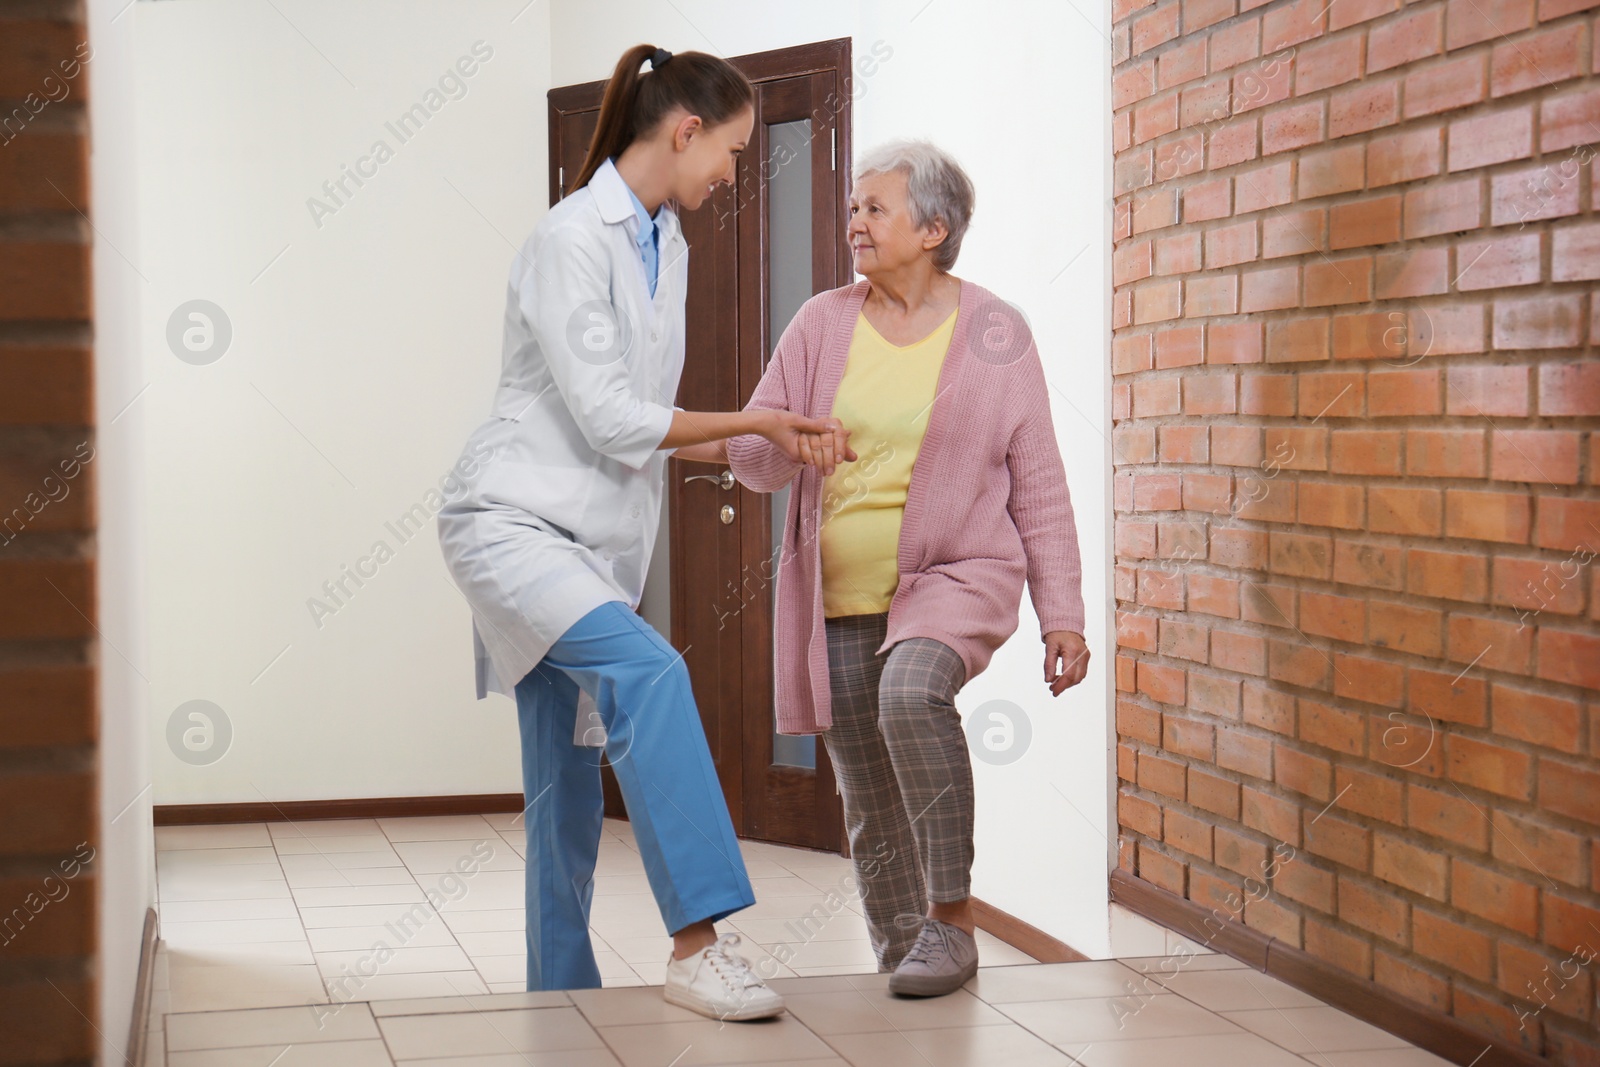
[
  {"x": 364, "y": 353},
  {"x": 1018, "y": 92},
  {"x": 364, "y": 350},
  {"x": 124, "y": 849}
]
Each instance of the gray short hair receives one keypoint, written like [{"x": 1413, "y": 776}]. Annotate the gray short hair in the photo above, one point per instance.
[{"x": 935, "y": 184}]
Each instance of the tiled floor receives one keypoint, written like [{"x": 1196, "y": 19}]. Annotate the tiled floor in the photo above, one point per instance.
[{"x": 311, "y": 944}]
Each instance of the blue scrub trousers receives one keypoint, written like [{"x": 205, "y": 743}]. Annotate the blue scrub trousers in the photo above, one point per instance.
[{"x": 657, "y": 747}]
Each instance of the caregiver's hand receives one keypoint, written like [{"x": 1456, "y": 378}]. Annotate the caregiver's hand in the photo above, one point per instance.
[
  {"x": 1064, "y": 646},
  {"x": 821, "y": 443}
]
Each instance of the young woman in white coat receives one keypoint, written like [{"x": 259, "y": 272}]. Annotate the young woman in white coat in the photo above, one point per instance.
[{"x": 551, "y": 542}]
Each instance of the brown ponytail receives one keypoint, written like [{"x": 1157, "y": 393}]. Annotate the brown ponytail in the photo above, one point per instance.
[{"x": 636, "y": 101}]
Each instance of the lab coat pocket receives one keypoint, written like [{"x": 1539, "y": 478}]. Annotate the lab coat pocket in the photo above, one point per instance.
[{"x": 512, "y": 403}]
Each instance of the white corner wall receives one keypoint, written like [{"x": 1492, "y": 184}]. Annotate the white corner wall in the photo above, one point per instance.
[{"x": 124, "y": 848}]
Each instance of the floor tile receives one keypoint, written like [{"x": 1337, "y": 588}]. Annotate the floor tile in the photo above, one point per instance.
[
  {"x": 484, "y": 890},
  {"x": 826, "y": 953},
  {"x": 1316, "y": 1029},
  {"x": 230, "y": 931},
  {"x": 705, "y": 1041},
  {"x": 832, "y": 983},
  {"x": 1211, "y": 1050},
  {"x": 495, "y": 942},
  {"x": 1180, "y": 962},
  {"x": 1094, "y": 1019},
  {"x": 796, "y": 858},
  {"x": 191, "y": 858},
  {"x": 225, "y": 1029},
  {"x": 215, "y": 910},
  {"x": 1054, "y": 981},
  {"x": 223, "y": 988},
  {"x": 851, "y": 969},
  {"x": 357, "y": 860},
  {"x": 327, "y": 846},
  {"x": 347, "y": 896},
  {"x": 408, "y": 915},
  {"x": 815, "y": 906},
  {"x": 284, "y": 1054},
  {"x": 487, "y": 1032},
  {"x": 628, "y": 1007},
  {"x": 437, "y": 828},
  {"x": 594, "y": 1057},
  {"x": 325, "y": 877},
  {"x": 486, "y": 919},
  {"x": 781, "y": 886},
  {"x": 1235, "y": 990},
  {"x": 323, "y": 828},
  {"x": 181, "y": 888},
  {"x": 233, "y": 835},
  {"x": 174, "y": 884},
  {"x": 254, "y": 954},
  {"x": 859, "y": 1011},
  {"x": 437, "y": 1005},
  {"x": 993, "y": 952},
  {"x": 846, "y": 926},
  {"x": 488, "y": 853},
  {"x": 760, "y": 867},
  {"x": 981, "y": 1046},
  {"x": 393, "y": 960},
  {"x": 406, "y": 986},
  {"x": 501, "y": 970},
  {"x": 349, "y": 938},
  {"x": 1389, "y": 1057}
]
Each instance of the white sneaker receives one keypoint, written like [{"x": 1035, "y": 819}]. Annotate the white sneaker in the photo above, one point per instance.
[{"x": 717, "y": 982}]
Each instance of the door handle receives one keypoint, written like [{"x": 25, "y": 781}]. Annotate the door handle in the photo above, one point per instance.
[{"x": 725, "y": 479}]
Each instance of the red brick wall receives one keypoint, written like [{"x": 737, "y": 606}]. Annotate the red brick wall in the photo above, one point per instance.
[
  {"x": 47, "y": 607},
  {"x": 1357, "y": 487}
]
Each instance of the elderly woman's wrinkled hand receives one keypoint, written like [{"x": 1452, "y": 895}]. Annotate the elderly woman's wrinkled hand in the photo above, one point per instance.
[
  {"x": 821, "y": 443},
  {"x": 1066, "y": 660},
  {"x": 828, "y": 449}
]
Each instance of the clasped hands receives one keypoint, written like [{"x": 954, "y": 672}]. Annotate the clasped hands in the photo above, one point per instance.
[{"x": 820, "y": 443}]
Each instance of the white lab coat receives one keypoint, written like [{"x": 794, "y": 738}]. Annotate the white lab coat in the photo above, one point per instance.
[{"x": 563, "y": 515}]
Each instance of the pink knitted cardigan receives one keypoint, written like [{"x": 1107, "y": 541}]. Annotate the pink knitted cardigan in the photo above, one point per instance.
[{"x": 986, "y": 507}]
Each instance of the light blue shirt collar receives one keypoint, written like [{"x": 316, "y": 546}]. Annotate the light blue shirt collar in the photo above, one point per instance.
[
  {"x": 647, "y": 225},
  {"x": 646, "y": 235}
]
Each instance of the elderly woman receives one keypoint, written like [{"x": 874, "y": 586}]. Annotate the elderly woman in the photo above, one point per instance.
[{"x": 902, "y": 570}]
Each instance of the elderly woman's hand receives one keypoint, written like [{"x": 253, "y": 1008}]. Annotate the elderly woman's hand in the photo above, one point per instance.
[
  {"x": 818, "y": 442},
  {"x": 1066, "y": 660},
  {"x": 828, "y": 449}
]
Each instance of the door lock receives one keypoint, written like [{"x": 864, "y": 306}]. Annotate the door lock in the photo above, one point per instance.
[
  {"x": 727, "y": 514},
  {"x": 725, "y": 479}
]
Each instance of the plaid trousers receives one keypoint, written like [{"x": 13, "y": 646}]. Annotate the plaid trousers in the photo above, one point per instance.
[{"x": 904, "y": 773}]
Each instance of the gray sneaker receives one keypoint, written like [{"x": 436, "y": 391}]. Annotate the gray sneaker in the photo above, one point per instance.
[{"x": 941, "y": 961}]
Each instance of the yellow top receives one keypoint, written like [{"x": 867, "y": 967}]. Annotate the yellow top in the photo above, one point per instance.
[{"x": 884, "y": 399}]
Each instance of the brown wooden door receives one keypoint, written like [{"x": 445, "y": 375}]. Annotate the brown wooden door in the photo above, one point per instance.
[{"x": 758, "y": 249}]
